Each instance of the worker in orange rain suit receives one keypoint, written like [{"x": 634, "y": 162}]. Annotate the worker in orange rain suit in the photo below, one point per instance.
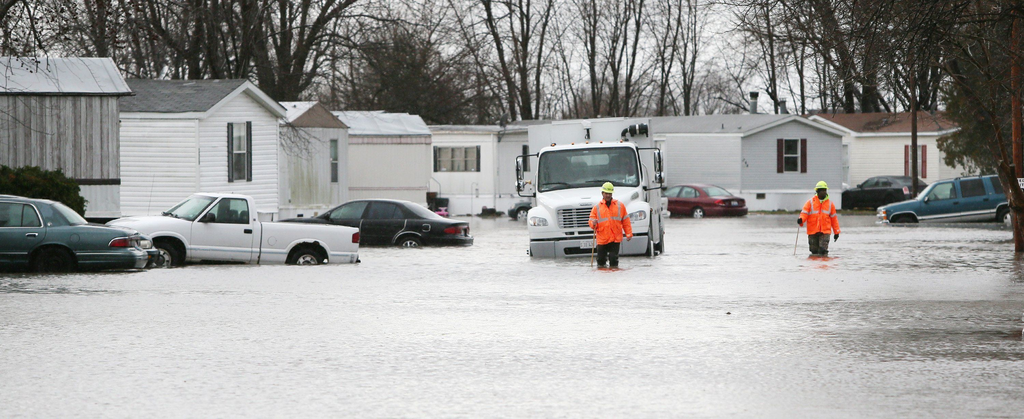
[
  {"x": 820, "y": 215},
  {"x": 609, "y": 220}
]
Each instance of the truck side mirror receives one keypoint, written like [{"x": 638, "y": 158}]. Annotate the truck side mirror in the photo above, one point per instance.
[
  {"x": 659, "y": 177},
  {"x": 208, "y": 218}
]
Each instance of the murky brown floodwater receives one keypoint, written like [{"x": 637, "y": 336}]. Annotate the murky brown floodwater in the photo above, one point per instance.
[{"x": 901, "y": 322}]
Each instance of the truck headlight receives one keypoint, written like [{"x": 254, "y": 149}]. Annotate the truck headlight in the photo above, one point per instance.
[
  {"x": 638, "y": 216},
  {"x": 881, "y": 213},
  {"x": 538, "y": 221}
]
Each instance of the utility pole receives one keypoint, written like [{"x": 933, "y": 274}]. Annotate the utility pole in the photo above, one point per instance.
[
  {"x": 913, "y": 125},
  {"x": 1016, "y": 125}
]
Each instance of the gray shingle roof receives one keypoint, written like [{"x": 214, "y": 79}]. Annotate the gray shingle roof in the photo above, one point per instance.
[
  {"x": 713, "y": 124},
  {"x": 72, "y": 76},
  {"x": 175, "y": 96}
]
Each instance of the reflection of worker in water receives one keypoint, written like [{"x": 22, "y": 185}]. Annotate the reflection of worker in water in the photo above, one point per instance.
[
  {"x": 609, "y": 221},
  {"x": 820, "y": 214}
]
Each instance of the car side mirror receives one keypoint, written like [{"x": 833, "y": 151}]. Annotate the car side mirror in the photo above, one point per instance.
[
  {"x": 926, "y": 199},
  {"x": 208, "y": 218}
]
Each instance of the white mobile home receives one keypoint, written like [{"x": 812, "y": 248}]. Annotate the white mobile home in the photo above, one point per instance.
[
  {"x": 179, "y": 137},
  {"x": 312, "y": 160},
  {"x": 474, "y": 166},
  {"x": 772, "y": 161},
  {"x": 61, "y": 113},
  {"x": 388, "y": 155},
  {"x": 878, "y": 144}
]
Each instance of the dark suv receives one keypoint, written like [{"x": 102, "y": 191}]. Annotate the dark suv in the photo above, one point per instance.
[
  {"x": 880, "y": 190},
  {"x": 977, "y": 198}
]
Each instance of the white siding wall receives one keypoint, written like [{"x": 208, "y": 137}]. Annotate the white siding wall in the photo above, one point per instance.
[
  {"x": 389, "y": 167},
  {"x": 511, "y": 146},
  {"x": 304, "y": 160},
  {"x": 159, "y": 164},
  {"x": 760, "y": 154},
  {"x": 695, "y": 158},
  {"x": 883, "y": 156},
  {"x": 213, "y": 160}
]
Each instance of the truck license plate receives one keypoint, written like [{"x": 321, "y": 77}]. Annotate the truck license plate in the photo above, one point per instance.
[{"x": 587, "y": 244}]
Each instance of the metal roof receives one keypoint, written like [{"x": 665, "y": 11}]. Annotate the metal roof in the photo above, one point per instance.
[
  {"x": 713, "y": 124},
  {"x": 486, "y": 129},
  {"x": 177, "y": 96},
  {"x": 380, "y": 123},
  {"x": 61, "y": 77}
]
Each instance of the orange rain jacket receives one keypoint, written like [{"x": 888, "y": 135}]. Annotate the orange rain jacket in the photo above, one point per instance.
[
  {"x": 820, "y": 216},
  {"x": 609, "y": 222}
]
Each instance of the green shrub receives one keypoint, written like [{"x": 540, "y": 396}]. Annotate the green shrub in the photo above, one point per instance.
[{"x": 33, "y": 182}]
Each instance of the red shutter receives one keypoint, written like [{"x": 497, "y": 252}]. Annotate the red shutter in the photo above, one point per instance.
[
  {"x": 906, "y": 160},
  {"x": 781, "y": 166},
  {"x": 803, "y": 155},
  {"x": 231, "y": 154},
  {"x": 924, "y": 162}
]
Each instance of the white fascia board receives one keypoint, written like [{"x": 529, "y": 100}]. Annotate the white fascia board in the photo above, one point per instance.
[
  {"x": 821, "y": 120},
  {"x": 162, "y": 115},
  {"x": 256, "y": 94},
  {"x": 699, "y": 135},
  {"x": 903, "y": 133},
  {"x": 799, "y": 119}
]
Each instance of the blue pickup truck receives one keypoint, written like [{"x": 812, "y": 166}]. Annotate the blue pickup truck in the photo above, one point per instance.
[{"x": 977, "y": 198}]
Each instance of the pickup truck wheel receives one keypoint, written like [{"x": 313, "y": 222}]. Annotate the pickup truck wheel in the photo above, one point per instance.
[
  {"x": 306, "y": 256},
  {"x": 521, "y": 213},
  {"x": 171, "y": 257},
  {"x": 53, "y": 259}
]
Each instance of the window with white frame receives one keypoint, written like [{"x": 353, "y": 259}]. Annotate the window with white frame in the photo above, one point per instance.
[
  {"x": 239, "y": 151},
  {"x": 457, "y": 159},
  {"x": 791, "y": 155},
  {"x": 334, "y": 161}
]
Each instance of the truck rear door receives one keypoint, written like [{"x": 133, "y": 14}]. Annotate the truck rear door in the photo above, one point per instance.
[{"x": 225, "y": 232}]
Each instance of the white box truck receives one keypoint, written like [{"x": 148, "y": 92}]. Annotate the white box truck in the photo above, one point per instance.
[{"x": 574, "y": 158}]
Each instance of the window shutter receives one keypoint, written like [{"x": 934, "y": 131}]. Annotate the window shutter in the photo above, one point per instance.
[
  {"x": 803, "y": 155},
  {"x": 924, "y": 161},
  {"x": 906, "y": 160},
  {"x": 248, "y": 150},
  {"x": 781, "y": 165},
  {"x": 231, "y": 153},
  {"x": 478, "y": 158},
  {"x": 435, "y": 159}
]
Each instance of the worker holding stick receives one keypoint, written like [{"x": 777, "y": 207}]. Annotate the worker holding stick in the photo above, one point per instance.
[
  {"x": 822, "y": 220},
  {"x": 610, "y": 222}
]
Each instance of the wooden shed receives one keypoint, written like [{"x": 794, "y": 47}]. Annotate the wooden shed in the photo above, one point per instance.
[{"x": 62, "y": 113}]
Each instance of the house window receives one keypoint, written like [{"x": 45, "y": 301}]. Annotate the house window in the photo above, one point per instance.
[
  {"x": 792, "y": 155},
  {"x": 240, "y": 151},
  {"x": 457, "y": 159},
  {"x": 526, "y": 160},
  {"x": 334, "y": 161}
]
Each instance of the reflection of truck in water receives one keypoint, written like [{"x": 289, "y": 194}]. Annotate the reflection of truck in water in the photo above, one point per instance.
[{"x": 574, "y": 159}]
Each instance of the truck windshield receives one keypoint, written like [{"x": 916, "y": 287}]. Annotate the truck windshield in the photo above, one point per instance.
[
  {"x": 566, "y": 169},
  {"x": 190, "y": 208}
]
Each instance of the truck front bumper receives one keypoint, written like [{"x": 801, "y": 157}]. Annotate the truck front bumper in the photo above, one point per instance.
[{"x": 573, "y": 246}]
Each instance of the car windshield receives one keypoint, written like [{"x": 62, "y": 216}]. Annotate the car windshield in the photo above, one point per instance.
[
  {"x": 567, "y": 169},
  {"x": 716, "y": 191},
  {"x": 190, "y": 208},
  {"x": 421, "y": 212},
  {"x": 69, "y": 214}
]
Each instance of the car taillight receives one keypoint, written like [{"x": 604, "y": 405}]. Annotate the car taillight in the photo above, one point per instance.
[
  {"x": 355, "y": 237},
  {"x": 453, "y": 230},
  {"x": 720, "y": 202},
  {"x": 121, "y": 242},
  {"x": 906, "y": 190}
]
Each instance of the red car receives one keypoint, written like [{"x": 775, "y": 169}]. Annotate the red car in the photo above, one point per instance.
[{"x": 699, "y": 201}]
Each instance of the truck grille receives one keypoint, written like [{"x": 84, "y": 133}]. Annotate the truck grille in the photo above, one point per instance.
[{"x": 574, "y": 218}]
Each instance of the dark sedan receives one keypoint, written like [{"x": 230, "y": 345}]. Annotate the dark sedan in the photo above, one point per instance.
[
  {"x": 395, "y": 223},
  {"x": 879, "y": 191},
  {"x": 698, "y": 201},
  {"x": 47, "y": 236}
]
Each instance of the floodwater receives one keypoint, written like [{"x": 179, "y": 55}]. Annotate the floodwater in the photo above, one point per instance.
[{"x": 919, "y": 321}]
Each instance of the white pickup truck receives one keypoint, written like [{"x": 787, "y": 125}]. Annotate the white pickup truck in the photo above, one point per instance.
[{"x": 224, "y": 227}]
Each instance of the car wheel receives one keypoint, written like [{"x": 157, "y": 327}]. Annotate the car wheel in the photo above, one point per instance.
[
  {"x": 900, "y": 219},
  {"x": 698, "y": 212},
  {"x": 170, "y": 255},
  {"x": 521, "y": 213},
  {"x": 1004, "y": 216},
  {"x": 409, "y": 242},
  {"x": 53, "y": 259},
  {"x": 306, "y": 256}
]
